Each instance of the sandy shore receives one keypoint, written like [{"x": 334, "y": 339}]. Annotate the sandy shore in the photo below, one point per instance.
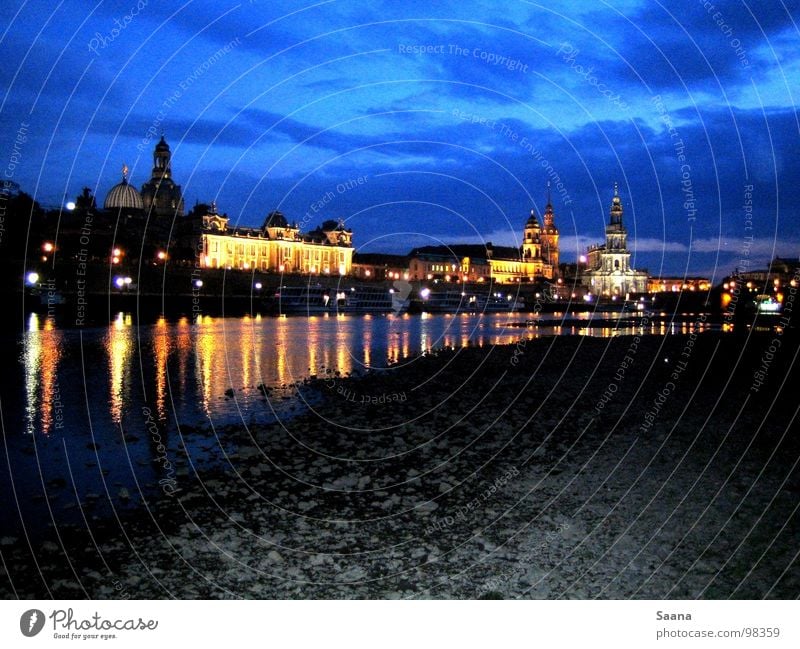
[{"x": 562, "y": 467}]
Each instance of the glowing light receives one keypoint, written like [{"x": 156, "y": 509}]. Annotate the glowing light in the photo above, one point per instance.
[
  {"x": 198, "y": 283},
  {"x": 258, "y": 286},
  {"x": 47, "y": 246},
  {"x": 71, "y": 206},
  {"x": 32, "y": 278},
  {"x": 161, "y": 255},
  {"x": 117, "y": 252},
  {"x": 425, "y": 293}
]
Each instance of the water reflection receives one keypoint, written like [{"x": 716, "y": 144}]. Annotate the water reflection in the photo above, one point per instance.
[
  {"x": 161, "y": 349},
  {"x": 41, "y": 355},
  {"x": 119, "y": 348},
  {"x": 188, "y": 369}
]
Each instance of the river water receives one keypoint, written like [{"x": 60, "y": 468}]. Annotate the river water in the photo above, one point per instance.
[{"x": 95, "y": 418}]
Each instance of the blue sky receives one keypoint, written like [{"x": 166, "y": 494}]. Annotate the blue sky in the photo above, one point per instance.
[{"x": 454, "y": 115}]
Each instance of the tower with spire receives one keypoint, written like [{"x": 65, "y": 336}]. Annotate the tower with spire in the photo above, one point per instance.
[
  {"x": 540, "y": 244},
  {"x": 609, "y": 271},
  {"x": 549, "y": 235},
  {"x": 160, "y": 194}
]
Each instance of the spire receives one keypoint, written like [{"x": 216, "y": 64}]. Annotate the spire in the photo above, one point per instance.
[
  {"x": 124, "y": 172},
  {"x": 548, "y": 211},
  {"x": 616, "y": 207}
]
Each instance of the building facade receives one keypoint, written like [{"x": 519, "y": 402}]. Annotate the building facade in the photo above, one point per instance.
[
  {"x": 277, "y": 246},
  {"x": 537, "y": 257},
  {"x": 608, "y": 269},
  {"x": 155, "y": 217},
  {"x": 677, "y": 284}
]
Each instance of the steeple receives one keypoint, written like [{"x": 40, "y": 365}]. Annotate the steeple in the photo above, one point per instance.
[
  {"x": 160, "y": 194},
  {"x": 616, "y": 208},
  {"x": 549, "y": 217},
  {"x": 162, "y": 167}
]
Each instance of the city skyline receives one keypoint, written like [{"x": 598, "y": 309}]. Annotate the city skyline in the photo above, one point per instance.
[{"x": 455, "y": 125}]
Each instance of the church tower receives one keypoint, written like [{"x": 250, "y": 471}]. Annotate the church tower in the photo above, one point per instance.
[
  {"x": 617, "y": 257},
  {"x": 532, "y": 242},
  {"x": 549, "y": 236},
  {"x": 161, "y": 196}
]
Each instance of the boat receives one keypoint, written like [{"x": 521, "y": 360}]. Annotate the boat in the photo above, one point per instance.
[
  {"x": 367, "y": 299},
  {"x": 446, "y": 302},
  {"x": 767, "y": 304},
  {"x": 494, "y": 303},
  {"x": 300, "y": 300}
]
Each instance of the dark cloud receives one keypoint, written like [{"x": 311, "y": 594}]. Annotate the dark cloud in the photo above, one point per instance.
[{"x": 455, "y": 146}]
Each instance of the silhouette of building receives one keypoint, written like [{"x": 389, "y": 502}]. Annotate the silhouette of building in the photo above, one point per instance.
[{"x": 160, "y": 195}]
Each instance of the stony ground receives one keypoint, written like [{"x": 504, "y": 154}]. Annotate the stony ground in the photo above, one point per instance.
[{"x": 548, "y": 469}]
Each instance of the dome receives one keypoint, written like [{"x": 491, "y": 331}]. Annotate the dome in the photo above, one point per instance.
[
  {"x": 532, "y": 221},
  {"x": 162, "y": 145},
  {"x": 123, "y": 196},
  {"x": 275, "y": 220}
]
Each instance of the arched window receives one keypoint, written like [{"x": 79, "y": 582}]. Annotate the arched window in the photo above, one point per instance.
[{"x": 616, "y": 264}]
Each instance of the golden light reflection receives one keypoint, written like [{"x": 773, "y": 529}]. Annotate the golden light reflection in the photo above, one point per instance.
[
  {"x": 183, "y": 347},
  {"x": 206, "y": 336},
  {"x": 343, "y": 358},
  {"x": 244, "y": 342},
  {"x": 161, "y": 349},
  {"x": 281, "y": 343},
  {"x": 119, "y": 348},
  {"x": 367, "y": 344},
  {"x": 41, "y": 355}
]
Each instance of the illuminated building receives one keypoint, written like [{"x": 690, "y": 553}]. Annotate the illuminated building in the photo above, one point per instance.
[
  {"x": 277, "y": 246},
  {"x": 536, "y": 258},
  {"x": 608, "y": 269},
  {"x": 377, "y": 266},
  {"x": 677, "y": 284}
]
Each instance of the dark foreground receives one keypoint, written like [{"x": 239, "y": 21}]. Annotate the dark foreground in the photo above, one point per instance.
[{"x": 546, "y": 470}]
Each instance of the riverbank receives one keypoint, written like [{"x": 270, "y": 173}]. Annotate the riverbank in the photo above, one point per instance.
[{"x": 652, "y": 467}]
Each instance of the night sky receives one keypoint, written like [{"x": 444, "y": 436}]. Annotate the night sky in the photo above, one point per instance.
[{"x": 454, "y": 115}]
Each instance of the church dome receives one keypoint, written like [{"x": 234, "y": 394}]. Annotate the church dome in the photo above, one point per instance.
[
  {"x": 532, "y": 221},
  {"x": 123, "y": 196}
]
